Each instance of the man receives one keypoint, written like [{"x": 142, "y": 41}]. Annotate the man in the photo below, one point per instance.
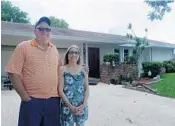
[{"x": 33, "y": 70}]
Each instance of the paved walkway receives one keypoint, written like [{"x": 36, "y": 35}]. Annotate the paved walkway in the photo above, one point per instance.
[{"x": 109, "y": 105}]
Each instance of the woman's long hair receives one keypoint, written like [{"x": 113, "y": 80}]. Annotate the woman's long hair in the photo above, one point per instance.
[{"x": 66, "y": 60}]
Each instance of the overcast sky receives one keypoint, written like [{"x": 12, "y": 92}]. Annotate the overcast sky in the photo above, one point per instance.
[{"x": 107, "y": 16}]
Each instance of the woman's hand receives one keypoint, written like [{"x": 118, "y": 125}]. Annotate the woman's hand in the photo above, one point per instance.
[
  {"x": 76, "y": 110},
  {"x": 80, "y": 109},
  {"x": 73, "y": 109}
]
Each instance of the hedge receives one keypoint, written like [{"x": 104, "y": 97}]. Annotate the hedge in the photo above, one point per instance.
[
  {"x": 169, "y": 66},
  {"x": 154, "y": 67}
]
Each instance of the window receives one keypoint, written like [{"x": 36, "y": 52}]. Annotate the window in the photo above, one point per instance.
[
  {"x": 126, "y": 52},
  {"x": 116, "y": 51}
]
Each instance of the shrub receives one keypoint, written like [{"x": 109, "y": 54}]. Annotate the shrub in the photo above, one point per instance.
[
  {"x": 111, "y": 57},
  {"x": 169, "y": 66},
  {"x": 114, "y": 81},
  {"x": 130, "y": 59},
  {"x": 123, "y": 78},
  {"x": 154, "y": 67}
]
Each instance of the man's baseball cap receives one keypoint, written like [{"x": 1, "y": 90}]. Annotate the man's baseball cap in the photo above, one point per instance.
[{"x": 43, "y": 19}]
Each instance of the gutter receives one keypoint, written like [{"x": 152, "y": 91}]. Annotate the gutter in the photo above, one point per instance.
[
  {"x": 63, "y": 37},
  {"x": 151, "y": 45}
]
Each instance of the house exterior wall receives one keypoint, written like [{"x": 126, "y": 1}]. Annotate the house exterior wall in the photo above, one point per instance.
[
  {"x": 161, "y": 54},
  {"x": 146, "y": 55},
  {"x": 156, "y": 54}
]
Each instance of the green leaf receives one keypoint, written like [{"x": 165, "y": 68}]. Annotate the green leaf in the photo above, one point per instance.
[
  {"x": 158, "y": 8},
  {"x": 56, "y": 22},
  {"x": 12, "y": 13}
]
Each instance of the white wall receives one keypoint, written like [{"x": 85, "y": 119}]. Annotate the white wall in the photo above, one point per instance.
[
  {"x": 161, "y": 54},
  {"x": 157, "y": 54},
  {"x": 146, "y": 55}
]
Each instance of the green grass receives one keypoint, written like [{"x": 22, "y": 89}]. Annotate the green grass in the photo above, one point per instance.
[{"x": 166, "y": 87}]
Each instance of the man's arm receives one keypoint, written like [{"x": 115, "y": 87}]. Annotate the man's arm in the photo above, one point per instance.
[
  {"x": 17, "y": 84},
  {"x": 14, "y": 70},
  {"x": 58, "y": 69},
  {"x": 85, "y": 68}
]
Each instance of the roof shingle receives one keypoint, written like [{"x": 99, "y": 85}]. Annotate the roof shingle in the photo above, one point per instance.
[{"x": 27, "y": 28}]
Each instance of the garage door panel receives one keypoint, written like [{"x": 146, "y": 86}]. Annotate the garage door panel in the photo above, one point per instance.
[{"x": 6, "y": 53}]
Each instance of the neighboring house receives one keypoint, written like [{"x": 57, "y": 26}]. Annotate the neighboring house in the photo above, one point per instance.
[{"x": 93, "y": 45}]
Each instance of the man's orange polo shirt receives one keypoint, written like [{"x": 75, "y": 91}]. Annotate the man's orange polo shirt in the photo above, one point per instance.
[{"x": 38, "y": 68}]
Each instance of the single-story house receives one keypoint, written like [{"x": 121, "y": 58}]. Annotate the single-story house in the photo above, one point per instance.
[{"x": 93, "y": 45}]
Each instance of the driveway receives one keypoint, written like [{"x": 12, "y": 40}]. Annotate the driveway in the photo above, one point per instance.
[{"x": 109, "y": 105}]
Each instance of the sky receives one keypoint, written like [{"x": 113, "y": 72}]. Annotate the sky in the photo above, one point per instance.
[{"x": 105, "y": 16}]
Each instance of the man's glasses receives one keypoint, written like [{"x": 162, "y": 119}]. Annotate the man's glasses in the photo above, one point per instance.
[
  {"x": 73, "y": 52},
  {"x": 44, "y": 29}
]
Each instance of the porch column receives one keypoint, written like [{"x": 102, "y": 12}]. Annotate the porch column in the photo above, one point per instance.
[
  {"x": 131, "y": 52},
  {"x": 85, "y": 54},
  {"x": 121, "y": 54},
  {"x": 150, "y": 56}
]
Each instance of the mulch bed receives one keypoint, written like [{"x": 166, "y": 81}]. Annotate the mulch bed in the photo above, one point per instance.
[
  {"x": 142, "y": 85},
  {"x": 144, "y": 81}
]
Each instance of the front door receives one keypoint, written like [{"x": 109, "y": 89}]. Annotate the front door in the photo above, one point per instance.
[{"x": 94, "y": 62}]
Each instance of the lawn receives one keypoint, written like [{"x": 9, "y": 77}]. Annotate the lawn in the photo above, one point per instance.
[{"x": 166, "y": 87}]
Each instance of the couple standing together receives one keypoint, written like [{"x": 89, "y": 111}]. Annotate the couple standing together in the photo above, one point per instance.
[{"x": 51, "y": 94}]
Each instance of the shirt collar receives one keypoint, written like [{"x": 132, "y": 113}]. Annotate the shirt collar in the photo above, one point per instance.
[{"x": 35, "y": 43}]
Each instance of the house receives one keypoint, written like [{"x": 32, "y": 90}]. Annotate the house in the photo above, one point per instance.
[{"x": 93, "y": 45}]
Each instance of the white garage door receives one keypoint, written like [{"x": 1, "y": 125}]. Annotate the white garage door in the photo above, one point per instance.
[{"x": 6, "y": 52}]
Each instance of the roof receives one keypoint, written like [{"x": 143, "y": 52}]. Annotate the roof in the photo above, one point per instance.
[
  {"x": 27, "y": 29},
  {"x": 162, "y": 44}
]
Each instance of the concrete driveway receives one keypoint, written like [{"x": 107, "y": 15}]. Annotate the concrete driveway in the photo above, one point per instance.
[{"x": 109, "y": 105}]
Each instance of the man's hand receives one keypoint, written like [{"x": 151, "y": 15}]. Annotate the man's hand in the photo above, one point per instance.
[
  {"x": 26, "y": 98},
  {"x": 19, "y": 87},
  {"x": 86, "y": 69}
]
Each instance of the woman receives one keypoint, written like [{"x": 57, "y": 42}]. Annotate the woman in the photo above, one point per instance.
[{"x": 73, "y": 89}]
